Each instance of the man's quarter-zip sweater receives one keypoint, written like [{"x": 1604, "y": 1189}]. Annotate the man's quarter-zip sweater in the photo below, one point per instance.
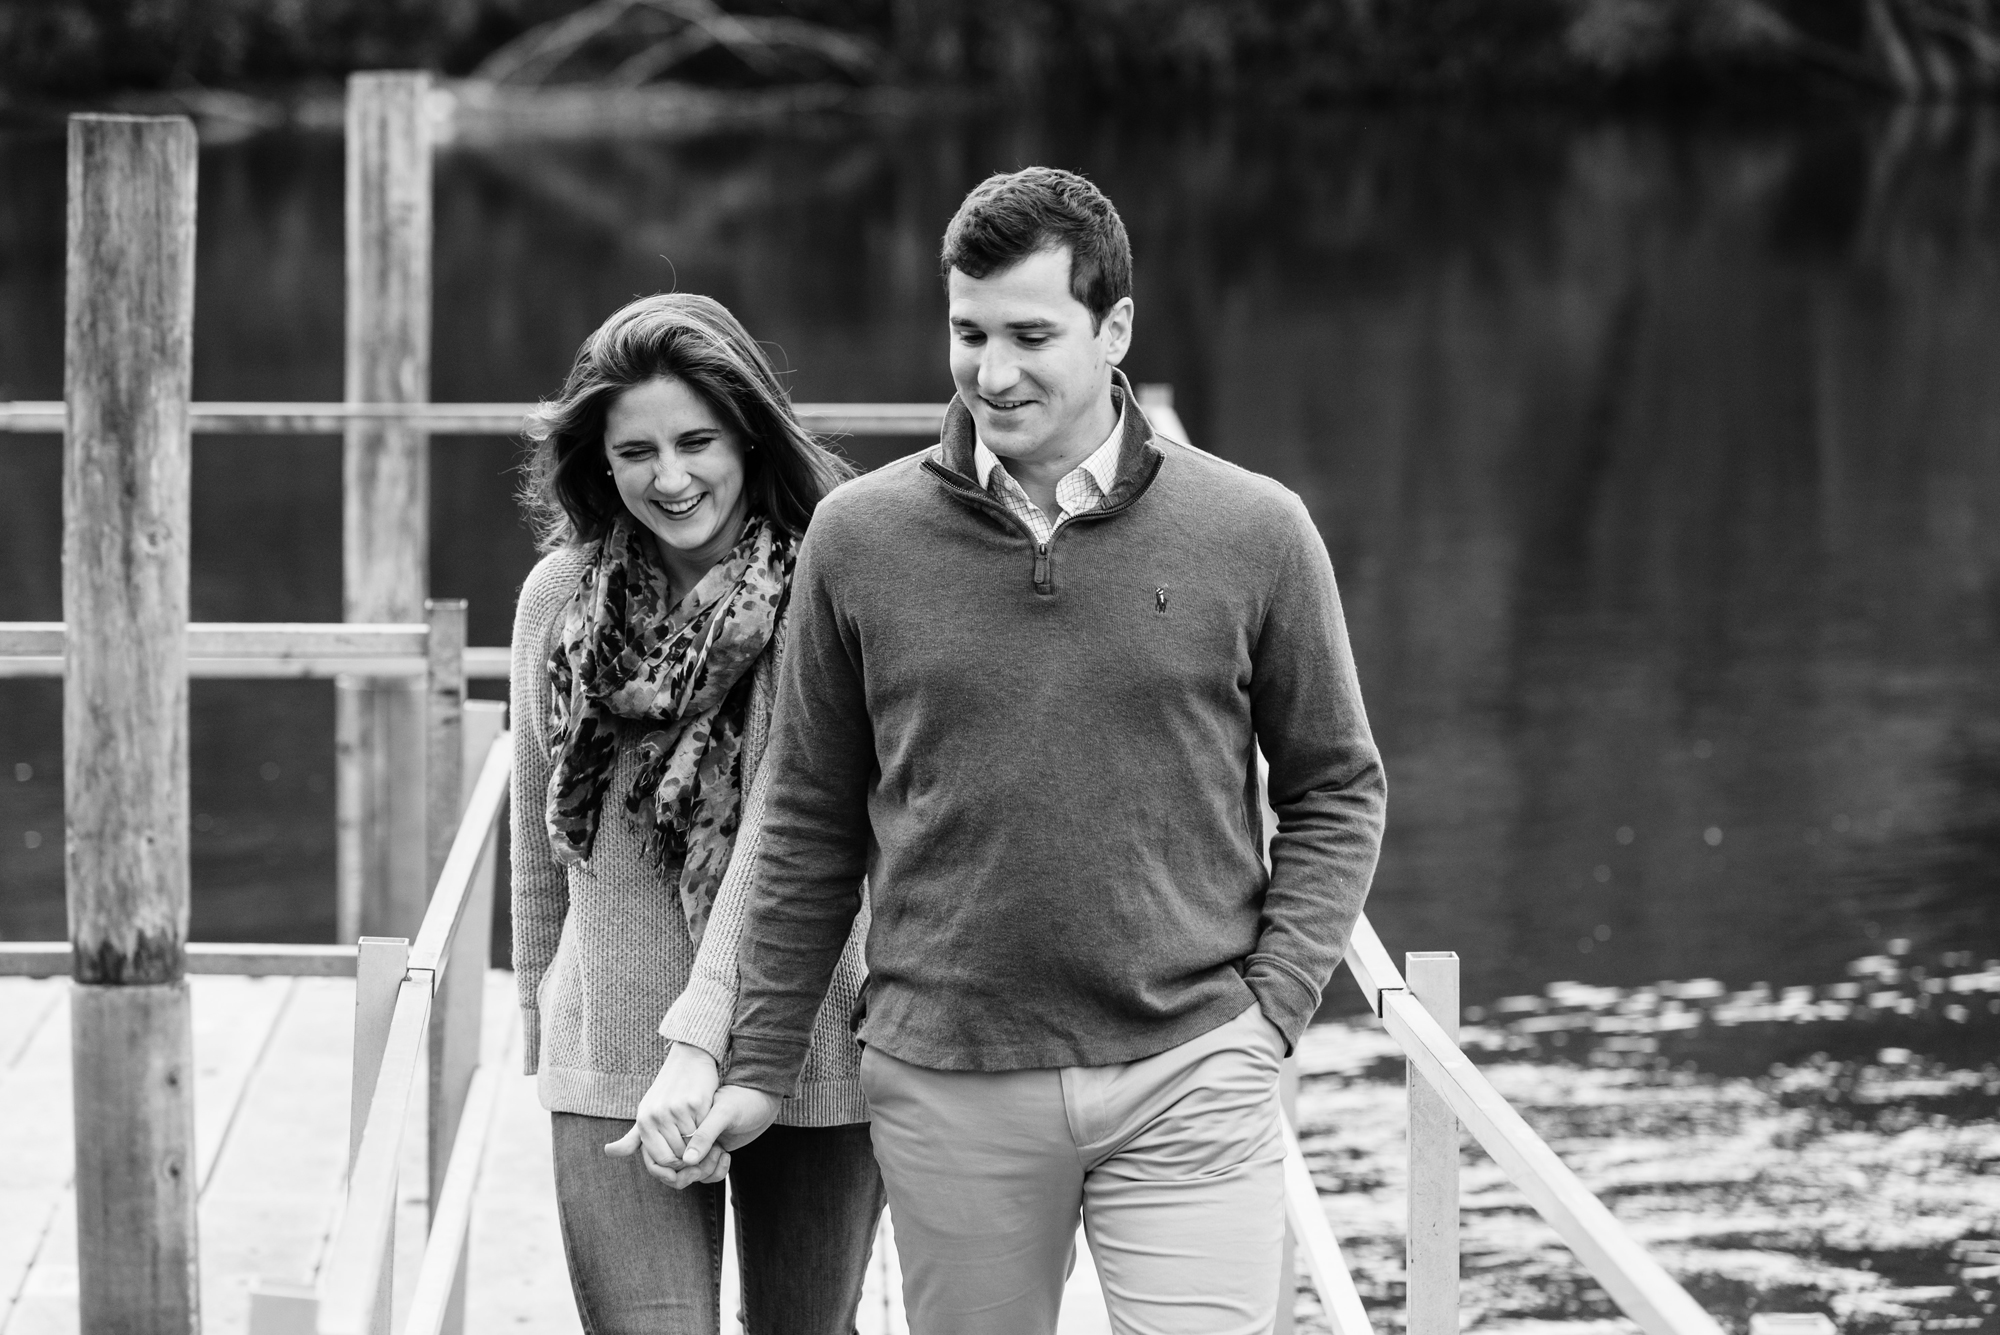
[{"x": 1043, "y": 757}]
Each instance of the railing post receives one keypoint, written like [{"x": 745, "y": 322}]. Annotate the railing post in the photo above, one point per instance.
[
  {"x": 444, "y": 732},
  {"x": 128, "y": 360},
  {"x": 1431, "y": 1270},
  {"x": 379, "y": 967},
  {"x": 458, "y": 1012},
  {"x": 1288, "y": 1264},
  {"x": 1158, "y": 403},
  {"x": 385, "y": 532}
]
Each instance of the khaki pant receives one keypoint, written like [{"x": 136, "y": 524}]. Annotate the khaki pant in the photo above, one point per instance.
[{"x": 1175, "y": 1163}]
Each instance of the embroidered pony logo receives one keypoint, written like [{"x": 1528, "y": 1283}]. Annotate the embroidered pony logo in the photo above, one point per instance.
[{"x": 1160, "y": 601}]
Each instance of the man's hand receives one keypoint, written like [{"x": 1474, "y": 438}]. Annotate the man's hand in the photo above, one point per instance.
[
  {"x": 1275, "y": 1034},
  {"x": 669, "y": 1114},
  {"x": 738, "y": 1116}
]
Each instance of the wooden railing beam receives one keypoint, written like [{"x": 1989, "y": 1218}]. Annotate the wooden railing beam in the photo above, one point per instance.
[
  {"x": 460, "y": 419},
  {"x": 358, "y": 1282},
  {"x": 51, "y": 959}
]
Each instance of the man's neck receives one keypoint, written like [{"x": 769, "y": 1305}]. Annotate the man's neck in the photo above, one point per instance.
[{"x": 1038, "y": 476}]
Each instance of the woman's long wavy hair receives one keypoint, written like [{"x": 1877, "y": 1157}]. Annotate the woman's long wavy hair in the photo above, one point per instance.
[{"x": 568, "y": 492}]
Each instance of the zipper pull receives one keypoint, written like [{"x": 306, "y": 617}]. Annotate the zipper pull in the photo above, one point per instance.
[{"x": 1041, "y": 564}]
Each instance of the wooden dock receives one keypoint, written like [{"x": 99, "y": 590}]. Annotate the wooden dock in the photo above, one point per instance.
[
  {"x": 272, "y": 1059},
  {"x": 256, "y": 1139}
]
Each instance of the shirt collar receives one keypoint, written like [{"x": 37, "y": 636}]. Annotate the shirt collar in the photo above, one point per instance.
[{"x": 1102, "y": 464}]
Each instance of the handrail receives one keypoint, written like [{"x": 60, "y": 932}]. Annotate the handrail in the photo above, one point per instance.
[
  {"x": 1338, "y": 1297},
  {"x": 1635, "y": 1281},
  {"x": 451, "y": 1225},
  {"x": 431, "y": 950},
  {"x": 349, "y": 1286},
  {"x": 46, "y": 416},
  {"x": 1370, "y": 963}
]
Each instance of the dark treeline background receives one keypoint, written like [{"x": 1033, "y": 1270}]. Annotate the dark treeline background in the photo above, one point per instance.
[{"x": 1289, "y": 49}]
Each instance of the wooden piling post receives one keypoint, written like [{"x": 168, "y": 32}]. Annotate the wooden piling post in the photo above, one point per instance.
[
  {"x": 385, "y": 553},
  {"x": 128, "y": 361},
  {"x": 1431, "y": 1271}
]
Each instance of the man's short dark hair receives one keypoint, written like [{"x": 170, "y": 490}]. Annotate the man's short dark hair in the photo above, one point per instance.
[{"x": 1013, "y": 215}]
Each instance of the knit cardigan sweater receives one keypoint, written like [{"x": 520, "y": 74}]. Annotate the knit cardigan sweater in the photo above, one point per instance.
[{"x": 601, "y": 951}]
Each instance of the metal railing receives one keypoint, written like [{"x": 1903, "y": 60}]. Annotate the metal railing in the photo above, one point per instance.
[
  {"x": 1633, "y": 1279},
  {"x": 1439, "y": 1071},
  {"x": 418, "y": 1012}
]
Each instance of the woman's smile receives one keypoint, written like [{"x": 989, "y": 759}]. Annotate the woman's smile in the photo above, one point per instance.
[
  {"x": 680, "y": 469},
  {"x": 681, "y": 509}
]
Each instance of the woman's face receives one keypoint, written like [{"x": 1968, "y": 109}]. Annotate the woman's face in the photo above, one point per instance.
[{"x": 679, "y": 470}]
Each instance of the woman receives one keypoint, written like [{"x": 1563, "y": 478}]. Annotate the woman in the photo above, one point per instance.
[{"x": 671, "y": 483}]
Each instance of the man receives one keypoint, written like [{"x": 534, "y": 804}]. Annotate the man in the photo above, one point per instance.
[{"x": 1028, "y": 674}]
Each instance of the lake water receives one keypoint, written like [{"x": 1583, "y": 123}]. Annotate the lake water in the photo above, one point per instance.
[{"x": 1660, "y": 464}]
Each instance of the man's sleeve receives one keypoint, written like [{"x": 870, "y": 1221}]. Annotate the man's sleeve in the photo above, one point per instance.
[
  {"x": 806, "y": 886},
  {"x": 1326, "y": 783}
]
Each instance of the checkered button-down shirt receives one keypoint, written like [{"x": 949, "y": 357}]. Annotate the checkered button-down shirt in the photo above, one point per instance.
[{"x": 1081, "y": 490}]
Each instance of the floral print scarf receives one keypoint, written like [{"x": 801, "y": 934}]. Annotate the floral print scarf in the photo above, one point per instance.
[{"x": 680, "y": 670}]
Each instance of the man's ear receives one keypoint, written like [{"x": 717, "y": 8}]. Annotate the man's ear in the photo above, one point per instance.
[{"x": 1116, "y": 330}]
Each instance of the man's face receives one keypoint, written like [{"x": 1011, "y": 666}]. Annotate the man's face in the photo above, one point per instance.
[{"x": 1026, "y": 361}]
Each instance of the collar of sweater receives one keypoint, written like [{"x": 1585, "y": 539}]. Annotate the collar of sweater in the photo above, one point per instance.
[{"x": 1139, "y": 459}]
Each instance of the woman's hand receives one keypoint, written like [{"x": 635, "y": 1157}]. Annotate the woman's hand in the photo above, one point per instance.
[
  {"x": 669, "y": 1114},
  {"x": 739, "y": 1116}
]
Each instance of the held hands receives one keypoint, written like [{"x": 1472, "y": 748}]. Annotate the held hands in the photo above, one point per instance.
[
  {"x": 686, "y": 1127},
  {"x": 669, "y": 1113}
]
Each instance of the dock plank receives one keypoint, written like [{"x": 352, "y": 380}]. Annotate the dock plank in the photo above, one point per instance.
[
  {"x": 517, "y": 1278},
  {"x": 36, "y": 1170},
  {"x": 25, "y": 1005},
  {"x": 47, "y": 1305},
  {"x": 273, "y": 1198},
  {"x": 233, "y": 1021},
  {"x": 272, "y": 1063}
]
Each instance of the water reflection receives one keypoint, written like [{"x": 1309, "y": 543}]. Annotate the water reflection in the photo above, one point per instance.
[{"x": 1661, "y": 465}]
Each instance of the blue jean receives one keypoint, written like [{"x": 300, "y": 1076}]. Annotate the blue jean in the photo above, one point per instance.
[{"x": 645, "y": 1259}]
